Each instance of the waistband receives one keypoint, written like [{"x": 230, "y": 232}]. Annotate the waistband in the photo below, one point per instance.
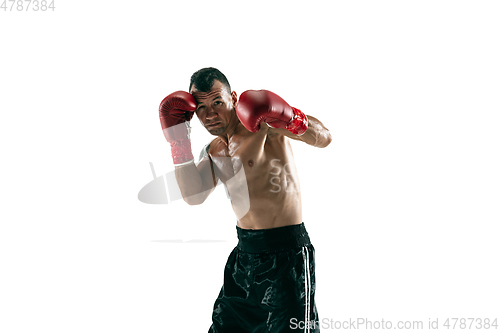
[{"x": 275, "y": 239}]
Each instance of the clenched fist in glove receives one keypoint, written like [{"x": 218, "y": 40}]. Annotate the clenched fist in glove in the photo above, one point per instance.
[
  {"x": 257, "y": 106},
  {"x": 176, "y": 110}
]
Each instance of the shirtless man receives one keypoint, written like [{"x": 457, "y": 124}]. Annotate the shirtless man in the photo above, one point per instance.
[{"x": 269, "y": 281}]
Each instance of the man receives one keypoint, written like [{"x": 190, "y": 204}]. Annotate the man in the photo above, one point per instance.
[{"x": 269, "y": 281}]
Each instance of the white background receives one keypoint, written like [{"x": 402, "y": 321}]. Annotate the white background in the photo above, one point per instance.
[{"x": 402, "y": 207}]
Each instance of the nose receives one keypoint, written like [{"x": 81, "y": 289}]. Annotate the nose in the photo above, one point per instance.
[{"x": 210, "y": 113}]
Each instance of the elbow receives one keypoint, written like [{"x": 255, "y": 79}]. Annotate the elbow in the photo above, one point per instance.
[
  {"x": 325, "y": 141},
  {"x": 195, "y": 199},
  {"x": 328, "y": 139},
  {"x": 192, "y": 201}
]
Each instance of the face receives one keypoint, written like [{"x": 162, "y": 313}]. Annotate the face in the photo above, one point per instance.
[{"x": 215, "y": 108}]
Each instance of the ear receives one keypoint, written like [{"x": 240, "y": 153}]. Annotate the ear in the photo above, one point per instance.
[{"x": 234, "y": 97}]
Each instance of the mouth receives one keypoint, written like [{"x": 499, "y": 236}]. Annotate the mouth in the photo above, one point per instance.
[{"x": 212, "y": 125}]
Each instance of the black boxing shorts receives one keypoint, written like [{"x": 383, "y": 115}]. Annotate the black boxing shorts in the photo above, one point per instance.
[{"x": 269, "y": 284}]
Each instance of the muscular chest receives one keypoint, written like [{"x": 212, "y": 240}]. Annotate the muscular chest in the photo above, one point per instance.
[
  {"x": 257, "y": 155},
  {"x": 242, "y": 151}
]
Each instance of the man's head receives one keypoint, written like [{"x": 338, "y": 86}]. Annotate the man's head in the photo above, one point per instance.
[
  {"x": 203, "y": 79},
  {"x": 215, "y": 101}
]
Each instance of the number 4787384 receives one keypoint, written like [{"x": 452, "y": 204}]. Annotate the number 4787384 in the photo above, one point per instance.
[{"x": 27, "y": 5}]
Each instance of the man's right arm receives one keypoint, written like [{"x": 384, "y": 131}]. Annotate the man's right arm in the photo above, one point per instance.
[{"x": 196, "y": 182}]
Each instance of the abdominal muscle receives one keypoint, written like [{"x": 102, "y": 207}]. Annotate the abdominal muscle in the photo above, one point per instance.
[
  {"x": 266, "y": 213},
  {"x": 264, "y": 191}
]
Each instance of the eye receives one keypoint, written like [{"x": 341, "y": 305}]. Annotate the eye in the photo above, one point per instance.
[{"x": 217, "y": 103}]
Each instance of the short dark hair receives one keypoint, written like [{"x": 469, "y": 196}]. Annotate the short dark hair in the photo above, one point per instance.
[{"x": 203, "y": 80}]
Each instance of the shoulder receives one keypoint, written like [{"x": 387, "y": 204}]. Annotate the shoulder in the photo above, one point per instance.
[
  {"x": 217, "y": 147},
  {"x": 205, "y": 151}
]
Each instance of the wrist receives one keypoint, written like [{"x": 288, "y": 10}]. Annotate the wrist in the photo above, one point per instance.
[
  {"x": 298, "y": 123},
  {"x": 181, "y": 151},
  {"x": 180, "y": 143}
]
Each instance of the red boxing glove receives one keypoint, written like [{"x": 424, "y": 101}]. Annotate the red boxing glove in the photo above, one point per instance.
[
  {"x": 176, "y": 110},
  {"x": 257, "y": 106}
]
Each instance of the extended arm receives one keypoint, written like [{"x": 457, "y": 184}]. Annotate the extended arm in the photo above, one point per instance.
[
  {"x": 316, "y": 135},
  {"x": 262, "y": 106}
]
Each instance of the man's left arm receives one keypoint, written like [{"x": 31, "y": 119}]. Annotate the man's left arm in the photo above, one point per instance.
[
  {"x": 262, "y": 106},
  {"x": 316, "y": 135}
]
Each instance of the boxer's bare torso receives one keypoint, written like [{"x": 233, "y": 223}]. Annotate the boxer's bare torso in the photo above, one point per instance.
[
  {"x": 257, "y": 168},
  {"x": 271, "y": 178}
]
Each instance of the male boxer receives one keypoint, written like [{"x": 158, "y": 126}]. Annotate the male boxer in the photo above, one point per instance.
[{"x": 269, "y": 281}]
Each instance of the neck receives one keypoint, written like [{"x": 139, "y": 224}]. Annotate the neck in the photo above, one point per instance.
[{"x": 231, "y": 128}]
